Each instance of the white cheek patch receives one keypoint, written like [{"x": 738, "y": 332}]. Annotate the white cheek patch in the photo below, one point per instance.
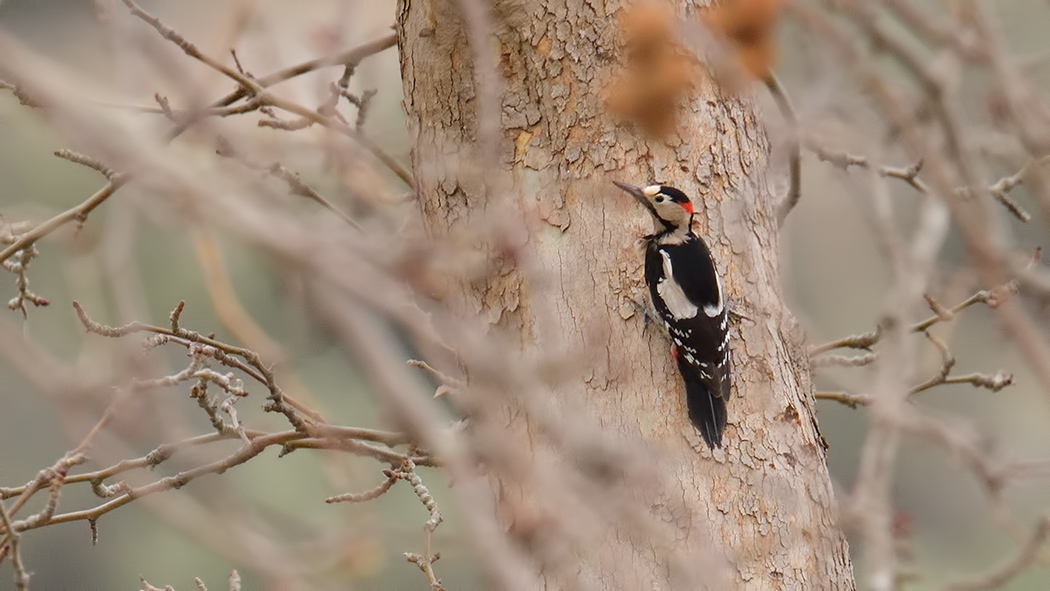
[
  {"x": 671, "y": 293},
  {"x": 716, "y": 309}
]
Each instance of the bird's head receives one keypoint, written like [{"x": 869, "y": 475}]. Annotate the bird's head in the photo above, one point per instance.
[{"x": 670, "y": 208}]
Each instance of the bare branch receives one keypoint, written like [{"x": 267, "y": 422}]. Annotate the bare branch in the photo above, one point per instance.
[
  {"x": 368, "y": 495},
  {"x": 75, "y": 214},
  {"x": 850, "y": 400},
  {"x": 426, "y": 561},
  {"x": 992, "y": 298},
  {"x": 87, "y": 161},
  {"x": 13, "y": 549},
  {"x": 787, "y": 111},
  {"x": 1002, "y": 574},
  {"x": 999, "y": 189},
  {"x": 298, "y": 187}
]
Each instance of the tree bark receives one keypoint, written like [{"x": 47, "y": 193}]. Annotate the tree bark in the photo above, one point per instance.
[{"x": 764, "y": 503}]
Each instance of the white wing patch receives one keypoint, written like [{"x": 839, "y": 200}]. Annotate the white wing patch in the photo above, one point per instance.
[
  {"x": 716, "y": 309},
  {"x": 674, "y": 298}
]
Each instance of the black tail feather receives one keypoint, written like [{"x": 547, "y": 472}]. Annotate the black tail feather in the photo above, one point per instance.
[{"x": 707, "y": 409}]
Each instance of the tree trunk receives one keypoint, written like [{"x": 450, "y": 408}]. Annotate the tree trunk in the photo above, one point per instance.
[{"x": 764, "y": 502}]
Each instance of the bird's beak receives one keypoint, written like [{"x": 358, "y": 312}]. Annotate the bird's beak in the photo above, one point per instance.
[{"x": 637, "y": 193}]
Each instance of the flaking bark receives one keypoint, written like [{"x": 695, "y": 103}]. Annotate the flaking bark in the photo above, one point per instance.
[{"x": 765, "y": 502}]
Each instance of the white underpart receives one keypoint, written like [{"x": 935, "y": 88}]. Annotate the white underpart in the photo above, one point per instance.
[
  {"x": 671, "y": 293},
  {"x": 716, "y": 309}
]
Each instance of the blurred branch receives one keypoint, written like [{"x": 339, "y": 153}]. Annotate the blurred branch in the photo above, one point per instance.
[
  {"x": 298, "y": 187},
  {"x": 787, "y": 111},
  {"x": 309, "y": 117},
  {"x": 253, "y": 88},
  {"x": 249, "y": 88},
  {"x": 447, "y": 382},
  {"x": 844, "y": 360},
  {"x": 233, "y": 316},
  {"x": 295, "y": 184},
  {"x": 349, "y": 58},
  {"x": 1002, "y": 574},
  {"x": 190, "y": 49},
  {"x": 22, "y": 95}
]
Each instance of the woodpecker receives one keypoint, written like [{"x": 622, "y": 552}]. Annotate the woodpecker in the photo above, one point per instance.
[{"x": 687, "y": 294}]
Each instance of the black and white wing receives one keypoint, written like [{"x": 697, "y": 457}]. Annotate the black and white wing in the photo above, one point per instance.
[{"x": 688, "y": 297}]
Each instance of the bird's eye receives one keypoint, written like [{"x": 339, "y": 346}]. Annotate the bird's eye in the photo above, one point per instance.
[{"x": 659, "y": 199}]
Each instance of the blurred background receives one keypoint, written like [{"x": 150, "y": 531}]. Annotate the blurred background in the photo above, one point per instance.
[{"x": 835, "y": 278}]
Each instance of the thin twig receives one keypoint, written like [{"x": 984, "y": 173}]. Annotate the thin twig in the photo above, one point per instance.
[
  {"x": 87, "y": 161},
  {"x": 368, "y": 495},
  {"x": 850, "y": 400},
  {"x": 947, "y": 363},
  {"x": 844, "y": 360},
  {"x": 254, "y": 88},
  {"x": 14, "y": 550},
  {"x": 353, "y": 55},
  {"x": 998, "y": 190},
  {"x": 309, "y": 117},
  {"x": 441, "y": 376},
  {"x": 426, "y": 561},
  {"x": 991, "y": 297},
  {"x": 863, "y": 341},
  {"x": 78, "y": 213},
  {"x": 190, "y": 49},
  {"x": 222, "y": 352},
  {"x": 298, "y": 187}
]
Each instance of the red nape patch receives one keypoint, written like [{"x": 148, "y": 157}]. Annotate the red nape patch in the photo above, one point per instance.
[
  {"x": 674, "y": 353},
  {"x": 688, "y": 206}
]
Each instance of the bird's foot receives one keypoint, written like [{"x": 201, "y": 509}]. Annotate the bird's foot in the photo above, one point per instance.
[
  {"x": 734, "y": 307},
  {"x": 648, "y": 315}
]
